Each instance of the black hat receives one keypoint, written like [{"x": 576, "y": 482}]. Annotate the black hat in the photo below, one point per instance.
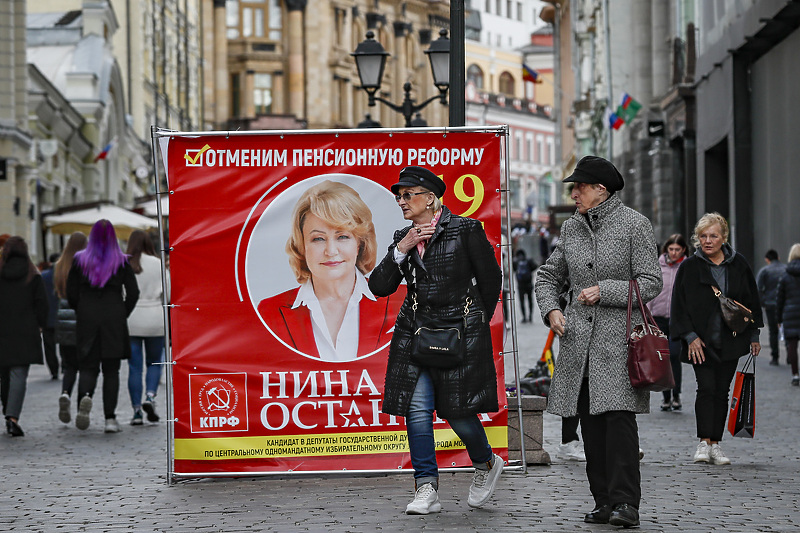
[
  {"x": 593, "y": 169},
  {"x": 420, "y": 177}
]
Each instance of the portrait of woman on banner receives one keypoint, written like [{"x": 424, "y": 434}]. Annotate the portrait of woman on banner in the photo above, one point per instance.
[{"x": 332, "y": 315}]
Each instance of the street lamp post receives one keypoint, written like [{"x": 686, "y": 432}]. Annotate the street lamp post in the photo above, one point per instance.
[{"x": 371, "y": 57}]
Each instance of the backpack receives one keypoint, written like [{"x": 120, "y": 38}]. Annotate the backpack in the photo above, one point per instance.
[{"x": 524, "y": 271}]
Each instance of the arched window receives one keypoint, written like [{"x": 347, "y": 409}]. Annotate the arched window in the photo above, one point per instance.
[
  {"x": 475, "y": 75},
  {"x": 506, "y": 84}
]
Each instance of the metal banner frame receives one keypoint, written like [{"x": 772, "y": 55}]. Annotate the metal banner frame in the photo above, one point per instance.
[{"x": 159, "y": 133}]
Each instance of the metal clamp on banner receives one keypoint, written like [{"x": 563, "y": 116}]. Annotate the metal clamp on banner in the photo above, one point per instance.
[{"x": 165, "y": 363}]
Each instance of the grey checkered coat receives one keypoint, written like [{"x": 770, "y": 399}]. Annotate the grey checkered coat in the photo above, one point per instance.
[{"x": 618, "y": 246}]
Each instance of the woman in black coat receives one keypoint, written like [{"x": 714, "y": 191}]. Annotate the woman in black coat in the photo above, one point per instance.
[
  {"x": 95, "y": 290},
  {"x": 706, "y": 341},
  {"x": 23, "y": 313},
  {"x": 449, "y": 267},
  {"x": 788, "y": 310}
]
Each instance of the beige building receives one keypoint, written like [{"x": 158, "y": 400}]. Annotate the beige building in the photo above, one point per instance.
[
  {"x": 284, "y": 64},
  {"x": 17, "y": 176}
]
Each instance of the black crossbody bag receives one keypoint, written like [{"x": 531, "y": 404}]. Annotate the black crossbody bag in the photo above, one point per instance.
[{"x": 438, "y": 342}]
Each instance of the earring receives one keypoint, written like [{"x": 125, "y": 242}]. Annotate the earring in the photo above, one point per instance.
[{"x": 430, "y": 206}]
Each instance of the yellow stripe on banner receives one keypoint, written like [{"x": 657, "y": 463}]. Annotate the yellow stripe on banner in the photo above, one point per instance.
[{"x": 223, "y": 448}]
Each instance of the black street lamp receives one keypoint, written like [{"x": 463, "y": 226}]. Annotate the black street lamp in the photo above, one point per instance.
[{"x": 371, "y": 57}]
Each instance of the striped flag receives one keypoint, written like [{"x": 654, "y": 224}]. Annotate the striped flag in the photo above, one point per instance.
[
  {"x": 528, "y": 74},
  {"x": 615, "y": 121},
  {"x": 106, "y": 150},
  {"x": 628, "y": 108}
]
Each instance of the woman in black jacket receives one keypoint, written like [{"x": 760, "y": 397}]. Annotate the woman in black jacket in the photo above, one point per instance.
[
  {"x": 23, "y": 313},
  {"x": 95, "y": 286},
  {"x": 451, "y": 272},
  {"x": 788, "y": 310},
  {"x": 706, "y": 341}
]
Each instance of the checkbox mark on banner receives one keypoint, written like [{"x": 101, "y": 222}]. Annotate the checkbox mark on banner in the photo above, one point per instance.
[{"x": 198, "y": 154}]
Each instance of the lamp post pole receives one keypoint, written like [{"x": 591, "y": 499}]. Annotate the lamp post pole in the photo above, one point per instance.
[{"x": 457, "y": 66}]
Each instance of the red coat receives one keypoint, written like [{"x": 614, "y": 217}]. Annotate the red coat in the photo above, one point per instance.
[{"x": 293, "y": 326}]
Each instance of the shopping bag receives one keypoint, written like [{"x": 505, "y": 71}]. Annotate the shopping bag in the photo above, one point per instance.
[{"x": 742, "y": 417}]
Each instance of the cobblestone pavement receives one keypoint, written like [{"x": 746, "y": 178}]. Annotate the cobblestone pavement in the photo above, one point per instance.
[{"x": 57, "y": 478}]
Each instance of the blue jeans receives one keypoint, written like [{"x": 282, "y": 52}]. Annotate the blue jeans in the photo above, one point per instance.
[
  {"x": 153, "y": 348},
  {"x": 419, "y": 424}
]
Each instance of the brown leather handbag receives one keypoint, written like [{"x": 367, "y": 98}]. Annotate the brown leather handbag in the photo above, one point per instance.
[
  {"x": 649, "y": 367},
  {"x": 736, "y": 316}
]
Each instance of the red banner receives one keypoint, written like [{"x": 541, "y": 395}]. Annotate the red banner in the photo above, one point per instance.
[{"x": 272, "y": 373}]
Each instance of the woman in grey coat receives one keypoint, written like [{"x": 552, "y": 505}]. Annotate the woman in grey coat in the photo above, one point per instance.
[{"x": 603, "y": 246}]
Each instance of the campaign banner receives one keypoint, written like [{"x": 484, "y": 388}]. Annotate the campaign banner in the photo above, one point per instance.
[{"x": 279, "y": 347}]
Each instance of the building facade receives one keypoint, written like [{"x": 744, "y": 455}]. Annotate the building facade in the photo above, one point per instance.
[{"x": 17, "y": 171}]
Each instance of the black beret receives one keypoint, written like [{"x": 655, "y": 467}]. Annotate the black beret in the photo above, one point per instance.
[
  {"x": 593, "y": 169},
  {"x": 420, "y": 177}
]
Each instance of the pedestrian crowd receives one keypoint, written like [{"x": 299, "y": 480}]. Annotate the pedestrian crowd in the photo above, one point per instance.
[
  {"x": 97, "y": 306},
  {"x": 90, "y": 308}
]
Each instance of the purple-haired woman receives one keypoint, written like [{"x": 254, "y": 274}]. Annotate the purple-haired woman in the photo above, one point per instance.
[{"x": 95, "y": 286}]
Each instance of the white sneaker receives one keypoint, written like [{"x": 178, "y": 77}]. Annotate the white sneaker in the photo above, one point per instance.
[
  {"x": 571, "y": 451},
  {"x": 63, "y": 408},
  {"x": 718, "y": 456},
  {"x": 426, "y": 501},
  {"x": 702, "y": 453},
  {"x": 484, "y": 483},
  {"x": 84, "y": 408},
  {"x": 112, "y": 426}
]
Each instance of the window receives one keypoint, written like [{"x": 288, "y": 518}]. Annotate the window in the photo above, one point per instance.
[
  {"x": 509, "y": 10},
  {"x": 262, "y": 93},
  {"x": 275, "y": 20},
  {"x": 498, "y": 7},
  {"x": 475, "y": 75},
  {"x": 488, "y": 6},
  {"x": 246, "y": 18},
  {"x": 539, "y": 149},
  {"x": 506, "y": 83},
  {"x": 545, "y": 192},
  {"x": 530, "y": 148},
  {"x": 519, "y": 11},
  {"x": 518, "y": 146},
  {"x": 516, "y": 191},
  {"x": 232, "y": 18},
  {"x": 236, "y": 101}
]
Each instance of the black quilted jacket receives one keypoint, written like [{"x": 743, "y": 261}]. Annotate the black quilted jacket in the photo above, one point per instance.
[{"x": 457, "y": 254}]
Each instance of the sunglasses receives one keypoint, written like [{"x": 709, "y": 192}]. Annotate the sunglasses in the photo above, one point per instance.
[{"x": 407, "y": 196}]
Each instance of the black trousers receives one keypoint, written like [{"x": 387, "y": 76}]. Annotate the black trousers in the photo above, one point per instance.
[
  {"x": 569, "y": 429},
  {"x": 526, "y": 293},
  {"x": 772, "y": 323},
  {"x": 674, "y": 359},
  {"x": 89, "y": 368},
  {"x": 611, "y": 443},
  {"x": 50, "y": 357},
  {"x": 711, "y": 402},
  {"x": 69, "y": 365}
]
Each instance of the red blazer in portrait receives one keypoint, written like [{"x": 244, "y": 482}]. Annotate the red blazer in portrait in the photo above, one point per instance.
[{"x": 293, "y": 326}]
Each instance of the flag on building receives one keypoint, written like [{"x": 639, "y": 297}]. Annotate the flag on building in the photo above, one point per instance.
[
  {"x": 528, "y": 74},
  {"x": 628, "y": 109},
  {"x": 615, "y": 121},
  {"x": 106, "y": 150}
]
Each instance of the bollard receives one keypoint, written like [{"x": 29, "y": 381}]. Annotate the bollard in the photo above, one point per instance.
[{"x": 532, "y": 408}]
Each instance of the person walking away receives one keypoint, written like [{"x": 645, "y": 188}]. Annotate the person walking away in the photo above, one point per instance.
[
  {"x": 672, "y": 255},
  {"x": 451, "y": 272},
  {"x": 99, "y": 275},
  {"x": 767, "y": 282},
  {"x": 66, "y": 331},
  {"x": 49, "y": 332},
  {"x": 707, "y": 343},
  {"x": 603, "y": 246},
  {"x": 788, "y": 308},
  {"x": 23, "y": 314},
  {"x": 523, "y": 271},
  {"x": 146, "y": 327}
]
